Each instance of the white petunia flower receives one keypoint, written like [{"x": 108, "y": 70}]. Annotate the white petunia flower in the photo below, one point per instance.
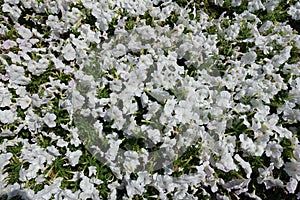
[
  {"x": 77, "y": 100},
  {"x": 96, "y": 181},
  {"x": 7, "y": 116},
  {"x": 38, "y": 68},
  {"x": 134, "y": 187},
  {"x": 245, "y": 165},
  {"x": 293, "y": 169},
  {"x": 265, "y": 173},
  {"x": 169, "y": 106},
  {"x": 255, "y": 5},
  {"x": 113, "y": 149},
  {"x": 113, "y": 189},
  {"x": 6, "y": 133},
  {"x": 69, "y": 52},
  {"x": 131, "y": 160},
  {"x": 61, "y": 143},
  {"x": 49, "y": 120},
  {"x": 14, "y": 57},
  {"x": 17, "y": 74},
  {"x": 72, "y": 17},
  {"x": 36, "y": 100},
  {"x": 32, "y": 120},
  {"x": 49, "y": 190},
  {"x": 73, "y": 157},
  {"x": 164, "y": 182},
  {"x": 86, "y": 185},
  {"x": 14, "y": 11},
  {"x": 284, "y": 55},
  {"x": 154, "y": 135},
  {"x": 247, "y": 144},
  {"x": 67, "y": 195},
  {"x": 137, "y": 186},
  {"x": 274, "y": 149},
  {"x": 5, "y": 96},
  {"x": 249, "y": 57},
  {"x": 146, "y": 32},
  {"x": 30, "y": 173},
  {"x": 232, "y": 32},
  {"x": 4, "y": 160},
  {"x": 222, "y": 197},
  {"x": 119, "y": 51},
  {"x": 21, "y": 91},
  {"x": 55, "y": 23},
  {"x": 237, "y": 184},
  {"x": 92, "y": 170},
  {"x": 294, "y": 11},
  {"x": 24, "y": 32},
  {"x": 266, "y": 26},
  {"x": 235, "y": 3},
  {"x": 7, "y": 44},
  {"x": 88, "y": 189},
  {"x": 292, "y": 185},
  {"x": 271, "y": 5},
  {"x": 40, "y": 179},
  {"x": 226, "y": 163},
  {"x": 24, "y": 102},
  {"x": 53, "y": 150},
  {"x": 218, "y": 2},
  {"x": 155, "y": 12},
  {"x": 75, "y": 137},
  {"x": 224, "y": 99},
  {"x": 272, "y": 182}
]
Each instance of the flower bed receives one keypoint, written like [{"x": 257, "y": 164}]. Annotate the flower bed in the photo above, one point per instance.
[{"x": 145, "y": 99}]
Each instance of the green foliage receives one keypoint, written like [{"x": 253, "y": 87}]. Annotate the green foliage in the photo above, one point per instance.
[
  {"x": 295, "y": 56},
  {"x": 103, "y": 92},
  {"x": 149, "y": 19},
  {"x": 44, "y": 142},
  {"x": 287, "y": 153},
  {"x": 86, "y": 131},
  {"x": 133, "y": 144},
  {"x": 278, "y": 15},
  {"x": 13, "y": 168},
  {"x": 56, "y": 170},
  {"x": 36, "y": 81},
  {"x": 171, "y": 20},
  {"x": 188, "y": 160},
  {"x": 15, "y": 150},
  {"x": 225, "y": 47},
  {"x": 245, "y": 31},
  {"x": 130, "y": 23}
]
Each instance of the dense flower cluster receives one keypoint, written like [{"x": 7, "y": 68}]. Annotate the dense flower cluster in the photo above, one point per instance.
[{"x": 143, "y": 99}]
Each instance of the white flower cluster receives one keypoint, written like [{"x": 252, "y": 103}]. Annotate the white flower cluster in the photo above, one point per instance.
[
  {"x": 294, "y": 11},
  {"x": 177, "y": 100}
]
